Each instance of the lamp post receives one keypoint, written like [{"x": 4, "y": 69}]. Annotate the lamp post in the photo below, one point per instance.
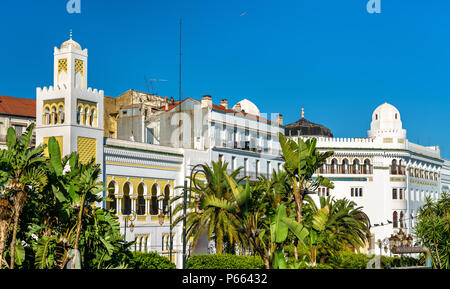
[
  {"x": 383, "y": 244},
  {"x": 125, "y": 218},
  {"x": 161, "y": 214}
]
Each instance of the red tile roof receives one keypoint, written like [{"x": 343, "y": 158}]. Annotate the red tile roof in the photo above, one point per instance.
[
  {"x": 18, "y": 106},
  {"x": 221, "y": 108}
]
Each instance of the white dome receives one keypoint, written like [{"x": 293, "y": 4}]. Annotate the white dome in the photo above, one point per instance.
[
  {"x": 248, "y": 107},
  {"x": 386, "y": 120},
  {"x": 71, "y": 43},
  {"x": 386, "y": 116}
]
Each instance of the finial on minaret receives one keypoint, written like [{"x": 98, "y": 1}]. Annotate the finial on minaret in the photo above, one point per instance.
[
  {"x": 71, "y": 34},
  {"x": 303, "y": 112}
]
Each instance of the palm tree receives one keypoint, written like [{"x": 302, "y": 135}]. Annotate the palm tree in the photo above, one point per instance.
[
  {"x": 21, "y": 173},
  {"x": 77, "y": 188},
  {"x": 346, "y": 225},
  {"x": 220, "y": 224}
]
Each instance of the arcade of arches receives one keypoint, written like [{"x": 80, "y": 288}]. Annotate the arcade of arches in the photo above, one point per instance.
[{"x": 139, "y": 195}]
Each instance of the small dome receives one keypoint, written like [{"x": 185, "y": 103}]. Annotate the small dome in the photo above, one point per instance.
[
  {"x": 248, "y": 107},
  {"x": 304, "y": 127},
  {"x": 71, "y": 43},
  {"x": 386, "y": 116}
]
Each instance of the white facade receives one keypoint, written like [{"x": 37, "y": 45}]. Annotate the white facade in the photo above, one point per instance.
[{"x": 384, "y": 173}]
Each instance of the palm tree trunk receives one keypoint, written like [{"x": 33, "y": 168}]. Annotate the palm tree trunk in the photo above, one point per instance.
[
  {"x": 21, "y": 198},
  {"x": 5, "y": 222},
  {"x": 79, "y": 225},
  {"x": 4, "y": 228}
]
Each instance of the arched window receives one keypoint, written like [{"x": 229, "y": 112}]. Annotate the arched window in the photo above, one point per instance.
[
  {"x": 401, "y": 220},
  {"x": 367, "y": 169},
  {"x": 111, "y": 195},
  {"x": 47, "y": 116},
  {"x": 61, "y": 114},
  {"x": 86, "y": 116},
  {"x": 141, "y": 200},
  {"x": 54, "y": 115},
  {"x": 394, "y": 167},
  {"x": 166, "y": 199},
  {"x": 92, "y": 117},
  {"x": 395, "y": 220},
  {"x": 345, "y": 166},
  {"x": 334, "y": 166},
  {"x": 126, "y": 198},
  {"x": 154, "y": 200},
  {"x": 79, "y": 113},
  {"x": 356, "y": 168}
]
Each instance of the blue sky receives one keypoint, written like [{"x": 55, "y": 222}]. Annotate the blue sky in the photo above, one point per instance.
[{"x": 330, "y": 56}]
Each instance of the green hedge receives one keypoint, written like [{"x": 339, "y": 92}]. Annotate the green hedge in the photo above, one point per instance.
[
  {"x": 150, "y": 261},
  {"x": 349, "y": 260},
  {"x": 224, "y": 261}
]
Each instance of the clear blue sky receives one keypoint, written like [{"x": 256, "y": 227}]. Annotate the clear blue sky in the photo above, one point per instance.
[{"x": 330, "y": 56}]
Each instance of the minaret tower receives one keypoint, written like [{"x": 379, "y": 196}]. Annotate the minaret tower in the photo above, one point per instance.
[{"x": 69, "y": 110}]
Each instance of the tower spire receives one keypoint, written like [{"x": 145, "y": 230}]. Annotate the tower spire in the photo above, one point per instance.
[{"x": 70, "y": 34}]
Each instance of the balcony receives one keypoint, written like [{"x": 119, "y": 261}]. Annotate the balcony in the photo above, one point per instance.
[{"x": 346, "y": 169}]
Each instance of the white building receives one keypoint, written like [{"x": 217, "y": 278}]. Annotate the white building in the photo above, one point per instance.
[
  {"x": 385, "y": 173},
  {"x": 145, "y": 165}
]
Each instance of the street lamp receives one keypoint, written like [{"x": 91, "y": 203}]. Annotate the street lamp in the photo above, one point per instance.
[
  {"x": 161, "y": 209},
  {"x": 126, "y": 218}
]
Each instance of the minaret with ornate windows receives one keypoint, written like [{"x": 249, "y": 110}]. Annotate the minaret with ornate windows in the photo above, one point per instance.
[{"x": 69, "y": 110}]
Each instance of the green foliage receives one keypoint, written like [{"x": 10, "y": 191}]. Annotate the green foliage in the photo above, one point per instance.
[
  {"x": 150, "y": 261},
  {"x": 212, "y": 208},
  {"x": 349, "y": 260},
  {"x": 224, "y": 261},
  {"x": 433, "y": 230},
  {"x": 57, "y": 198}
]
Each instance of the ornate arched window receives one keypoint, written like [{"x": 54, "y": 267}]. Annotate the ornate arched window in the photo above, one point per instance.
[
  {"x": 86, "y": 116},
  {"x": 111, "y": 205},
  {"x": 166, "y": 199},
  {"x": 394, "y": 167},
  {"x": 356, "y": 167},
  {"x": 79, "y": 114},
  {"x": 401, "y": 220},
  {"x": 126, "y": 198},
  {"x": 61, "y": 114},
  {"x": 141, "y": 200},
  {"x": 345, "y": 166},
  {"x": 154, "y": 200},
  {"x": 54, "y": 115},
  {"x": 47, "y": 116},
  {"x": 334, "y": 166},
  {"x": 92, "y": 117},
  {"x": 367, "y": 166},
  {"x": 395, "y": 220}
]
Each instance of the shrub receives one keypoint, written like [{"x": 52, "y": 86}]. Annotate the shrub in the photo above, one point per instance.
[
  {"x": 348, "y": 260},
  {"x": 224, "y": 261},
  {"x": 150, "y": 261}
]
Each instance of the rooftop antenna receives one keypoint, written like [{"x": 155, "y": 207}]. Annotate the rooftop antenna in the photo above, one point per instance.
[
  {"x": 148, "y": 84},
  {"x": 157, "y": 80}
]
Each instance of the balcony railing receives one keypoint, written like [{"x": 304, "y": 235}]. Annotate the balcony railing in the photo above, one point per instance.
[{"x": 346, "y": 169}]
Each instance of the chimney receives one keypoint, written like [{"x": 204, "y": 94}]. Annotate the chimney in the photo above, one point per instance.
[
  {"x": 237, "y": 107},
  {"x": 206, "y": 101},
  {"x": 280, "y": 119},
  {"x": 224, "y": 103}
]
